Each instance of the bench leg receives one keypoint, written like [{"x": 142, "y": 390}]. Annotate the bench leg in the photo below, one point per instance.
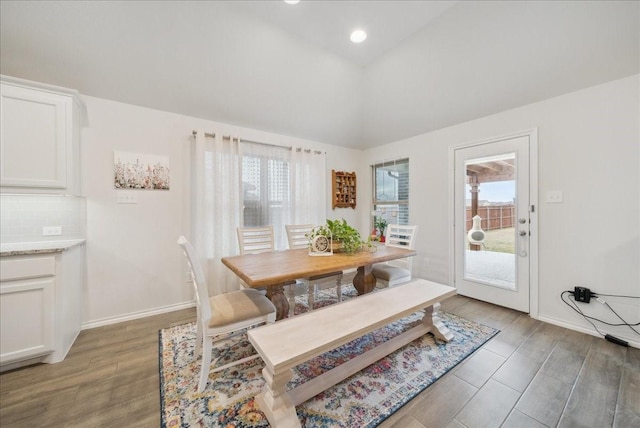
[
  {"x": 436, "y": 326},
  {"x": 275, "y": 402}
]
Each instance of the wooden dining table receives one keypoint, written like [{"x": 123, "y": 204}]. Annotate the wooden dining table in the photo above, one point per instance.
[{"x": 273, "y": 269}]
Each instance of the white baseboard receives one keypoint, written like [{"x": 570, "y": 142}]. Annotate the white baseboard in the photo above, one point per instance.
[
  {"x": 137, "y": 315},
  {"x": 582, "y": 329}
]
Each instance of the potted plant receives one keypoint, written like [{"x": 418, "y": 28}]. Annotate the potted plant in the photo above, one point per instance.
[
  {"x": 346, "y": 235},
  {"x": 381, "y": 225}
]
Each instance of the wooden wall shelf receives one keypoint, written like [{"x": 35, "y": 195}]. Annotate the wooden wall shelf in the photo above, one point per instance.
[{"x": 343, "y": 189}]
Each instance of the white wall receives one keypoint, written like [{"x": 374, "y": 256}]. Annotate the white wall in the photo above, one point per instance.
[
  {"x": 589, "y": 147},
  {"x": 484, "y": 57},
  {"x": 134, "y": 266}
]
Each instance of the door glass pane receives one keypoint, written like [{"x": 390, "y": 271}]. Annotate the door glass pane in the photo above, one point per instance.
[{"x": 490, "y": 226}]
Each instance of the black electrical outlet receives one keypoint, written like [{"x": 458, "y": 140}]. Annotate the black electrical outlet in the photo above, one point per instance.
[{"x": 582, "y": 294}]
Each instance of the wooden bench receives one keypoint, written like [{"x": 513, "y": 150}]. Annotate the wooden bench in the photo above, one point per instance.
[{"x": 293, "y": 341}]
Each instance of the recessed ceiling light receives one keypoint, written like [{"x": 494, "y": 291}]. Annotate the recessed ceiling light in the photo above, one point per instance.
[
  {"x": 292, "y": 1},
  {"x": 358, "y": 36}
]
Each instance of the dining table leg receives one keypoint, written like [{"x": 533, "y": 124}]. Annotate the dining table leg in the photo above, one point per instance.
[
  {"x": 275, "y": 293},
  {"x": 364, "y": 281}
]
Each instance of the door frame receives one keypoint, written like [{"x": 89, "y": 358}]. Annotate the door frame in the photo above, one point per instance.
[{"x": 533, "y": 215}]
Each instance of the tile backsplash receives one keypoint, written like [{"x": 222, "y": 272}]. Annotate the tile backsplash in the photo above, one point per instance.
[{"x": 23, "y": 216}]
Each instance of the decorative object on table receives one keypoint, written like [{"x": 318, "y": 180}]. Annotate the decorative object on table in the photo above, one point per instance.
[
  {"x": 343, "y": 189},
  {"x": 346, "y": 236},
  {"x": 382, "y": 388},
  {"x": 140, "y": 171},
  {"x": 370, "y": 246},
  {"x": 320, "y": 241}
]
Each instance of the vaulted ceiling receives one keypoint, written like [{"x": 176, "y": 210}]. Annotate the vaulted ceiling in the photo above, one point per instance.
[{"x": 290, "y": 70}]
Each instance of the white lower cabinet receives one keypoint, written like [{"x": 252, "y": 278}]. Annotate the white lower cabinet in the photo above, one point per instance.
[
  {"x": 27, "y": 318},
  {"x": 40, "y": 306}
]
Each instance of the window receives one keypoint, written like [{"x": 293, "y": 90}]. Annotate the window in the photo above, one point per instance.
[
  {"x": 391, "y": 191},
  {"x": 280, "y": 186},
  {"x": 265, "y": 190}
]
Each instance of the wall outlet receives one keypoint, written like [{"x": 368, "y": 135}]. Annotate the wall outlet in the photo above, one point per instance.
[
  {"x": 127, "y": 198},
  {"x": 582, "y": 294},
  {"x": 187, "y": 277},
  {"x": 51, "y": 230}
]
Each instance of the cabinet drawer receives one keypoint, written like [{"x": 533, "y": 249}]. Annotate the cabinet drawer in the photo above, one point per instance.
[{"x": 12, "y": 268}]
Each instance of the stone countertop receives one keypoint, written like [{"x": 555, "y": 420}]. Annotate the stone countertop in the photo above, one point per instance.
[{"x": 39, "y": 247}]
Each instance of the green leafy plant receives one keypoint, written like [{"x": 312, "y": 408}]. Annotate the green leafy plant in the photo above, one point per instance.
[{"x": 347, "y": 235}]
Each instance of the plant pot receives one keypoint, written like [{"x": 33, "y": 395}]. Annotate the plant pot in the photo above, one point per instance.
[{"x": 337, "y": 247}]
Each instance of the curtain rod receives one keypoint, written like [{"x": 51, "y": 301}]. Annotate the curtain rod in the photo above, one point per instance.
[
  {"x": 228, "y": 137},
  {"x": 206, "y": 134}
]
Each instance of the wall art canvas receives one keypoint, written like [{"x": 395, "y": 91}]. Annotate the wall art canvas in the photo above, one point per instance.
[{"x": 140, "y": 171}]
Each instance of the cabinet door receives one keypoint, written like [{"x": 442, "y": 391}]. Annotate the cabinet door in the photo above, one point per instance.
[
  {"x": 27, "y": 318},
  {"x": 33, "y": 140}
]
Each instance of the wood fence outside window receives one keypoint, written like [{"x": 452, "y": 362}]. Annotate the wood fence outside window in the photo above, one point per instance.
[{"x": 493, "y": 217}]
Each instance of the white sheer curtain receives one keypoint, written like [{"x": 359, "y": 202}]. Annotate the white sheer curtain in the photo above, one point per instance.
[
  {"x": 308, "y": 187},
  {"x": 216, "y": 206},
  {"x": 265, "y": 178},
  {"x": 282, "y": 186},
  {"x": 246, "y": 184}
]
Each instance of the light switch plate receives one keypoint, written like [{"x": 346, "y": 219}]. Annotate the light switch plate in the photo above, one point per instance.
[
  {"x": 554, "y": 197},
  {"x": 51, "y": 230},
  {"x": 127, "y": 198}
]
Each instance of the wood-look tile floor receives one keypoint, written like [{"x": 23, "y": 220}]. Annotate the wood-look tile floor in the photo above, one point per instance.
[{"x": 531, "y": 374}]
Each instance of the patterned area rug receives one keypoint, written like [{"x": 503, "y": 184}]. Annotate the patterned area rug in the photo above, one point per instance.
[{"x": 362, "y": 400}]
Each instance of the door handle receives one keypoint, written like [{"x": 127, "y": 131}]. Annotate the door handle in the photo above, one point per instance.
[{"x": 523, "y": 247}]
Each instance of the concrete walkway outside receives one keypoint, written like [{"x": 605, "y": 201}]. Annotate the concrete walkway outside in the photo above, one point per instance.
[{"x": 488, "y": 266}]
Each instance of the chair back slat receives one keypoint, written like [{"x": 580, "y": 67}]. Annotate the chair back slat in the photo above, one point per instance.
[
  {"x": 254, "y": 240},
  {"x": 297, "y": 235},
  {"x": 199, "y": 282},
  {"x": 401, "y": 236}
]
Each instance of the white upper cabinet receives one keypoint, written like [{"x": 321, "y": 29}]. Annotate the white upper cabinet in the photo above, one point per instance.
[{"x": 39, "y": 138}]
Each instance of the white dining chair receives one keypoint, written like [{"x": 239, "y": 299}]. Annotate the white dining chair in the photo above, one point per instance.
[
  {"x": 223, "y": 316},
  {"x": 396, "y": 272},
  {"x": 297, "y": 238},
  {"x": 254, "y": 240}
]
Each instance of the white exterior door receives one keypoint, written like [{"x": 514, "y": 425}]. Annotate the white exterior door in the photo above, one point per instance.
[{"x": 493, "y": 214}]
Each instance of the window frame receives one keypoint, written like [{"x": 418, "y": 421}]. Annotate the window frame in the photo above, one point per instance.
[{"x": 379, "y": 206}]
